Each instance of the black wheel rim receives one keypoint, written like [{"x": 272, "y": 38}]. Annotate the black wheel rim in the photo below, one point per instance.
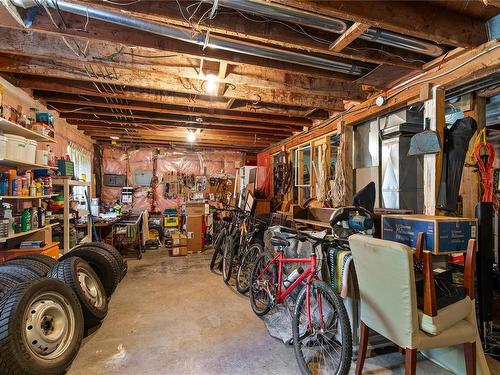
[
  {"x": 321, "y": 348},
  {"x": 261, "y": 287},
  {"x": 245, "y": 269}
]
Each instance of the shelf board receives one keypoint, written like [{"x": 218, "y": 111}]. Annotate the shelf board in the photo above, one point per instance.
[
  {"x": 13, "y": 128},
  {"x": 17, "y": 197},
  {"x": 22, "y": 164},
  {"x": 22, "y": 234},
  {"x": 56, "y": 181}
]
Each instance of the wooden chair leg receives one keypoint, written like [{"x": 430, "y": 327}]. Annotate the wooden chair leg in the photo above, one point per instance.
[
  {"x": 470, "y": 358},
  {"x": 363, "y": 344},
  {"x": 410, "y": 361}
]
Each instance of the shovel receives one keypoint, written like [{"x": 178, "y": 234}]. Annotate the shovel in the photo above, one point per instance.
[{"x": 426, "y": 142}]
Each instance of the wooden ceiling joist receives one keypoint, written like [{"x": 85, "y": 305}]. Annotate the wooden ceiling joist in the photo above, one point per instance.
[
  {"x": 151, "y": 80},
  {"x": 112, "y": 55},
  {"x": 102, "y": 31},
  {"x": 349, "y": 36},
  {"x": 254, "y": 28},
  {"x": 414, "y": 18},
  {"x": 84, "y": 89},
  {"x": 177, "y": 145},
  {"x": 86, "y": 112},
  {"x": 87, "y": 101}
]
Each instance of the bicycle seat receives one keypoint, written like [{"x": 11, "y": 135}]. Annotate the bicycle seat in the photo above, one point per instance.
[{"x": 280, "y": 242}]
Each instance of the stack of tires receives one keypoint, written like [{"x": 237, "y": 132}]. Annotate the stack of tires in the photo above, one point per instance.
[{"x": 46, "y": 306}]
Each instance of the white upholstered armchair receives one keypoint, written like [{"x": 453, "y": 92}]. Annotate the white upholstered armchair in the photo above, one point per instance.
[{"x": 387, "y": 288}]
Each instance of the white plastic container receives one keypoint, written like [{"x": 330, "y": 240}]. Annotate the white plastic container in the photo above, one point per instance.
[
  {"x": 3, "y": 147},
  {"x": 30, "y": 150},
  {"x": 16, "y": 147},
  {"x": 42, "y": 157}
]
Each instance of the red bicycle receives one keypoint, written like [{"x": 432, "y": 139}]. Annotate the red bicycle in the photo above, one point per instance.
[{"x": 321, "y": 329}]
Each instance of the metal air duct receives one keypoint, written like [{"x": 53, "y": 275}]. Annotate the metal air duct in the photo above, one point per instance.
[
  {"x": 118, "y": 18},
  {"x": 317, "y": 21}
]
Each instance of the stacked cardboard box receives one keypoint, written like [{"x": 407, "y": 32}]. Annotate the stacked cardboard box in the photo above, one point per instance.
[
  {"x": 195, "y": 220},
  {"x": 176, "y": 244}
]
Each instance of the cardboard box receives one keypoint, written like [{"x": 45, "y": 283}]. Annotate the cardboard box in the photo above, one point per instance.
[
  {"x": 443, "y": 235},
  {"x": 179, "y": 239},
  {"x": 196, "y": 208},
  {"x": 178, "y": 251},
  {"x": 194, "y": 229}
]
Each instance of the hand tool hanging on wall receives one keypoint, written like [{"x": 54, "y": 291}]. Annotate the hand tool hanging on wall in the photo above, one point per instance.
[
  {"x": 456, "y": 144},
  {"x": 426, "y": 142},
  {"x": 484, "y": 155}
]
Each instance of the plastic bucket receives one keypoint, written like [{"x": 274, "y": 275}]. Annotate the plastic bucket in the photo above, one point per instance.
[
  {"x": 30, "y": 151},
  {"x": 16, "y": 147},
  {"x": 42, "y": 157},
  {"x": 3, "y": 147}
]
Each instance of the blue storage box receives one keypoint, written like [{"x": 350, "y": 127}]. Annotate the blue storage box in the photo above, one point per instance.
[{"x": 443, "y": 235}]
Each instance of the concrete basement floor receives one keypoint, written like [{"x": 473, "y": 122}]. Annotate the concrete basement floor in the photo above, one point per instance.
[{"x": 174, "y": 316}]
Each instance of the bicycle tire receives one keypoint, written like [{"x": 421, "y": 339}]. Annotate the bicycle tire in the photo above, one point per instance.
[
  {"x": 218, "y": 255},
  {"x": 245, "y": 267},
  {"x": 271, "y": 275},
  {"x": 227, "y": 260},
  {"x": 343, "y": 323}
]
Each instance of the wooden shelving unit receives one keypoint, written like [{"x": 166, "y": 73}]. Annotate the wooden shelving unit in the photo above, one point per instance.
[
  {"x": 67, "y": 184},
  {"x": 13, "y": 128},
  {"x": 19, "y": 197},
  {"x": 22, "y": 234},
  {"x": 22, "y": 164}
]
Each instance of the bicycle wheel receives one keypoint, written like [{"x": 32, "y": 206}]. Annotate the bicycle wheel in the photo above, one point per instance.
[
  {"x": 263, "y": 285},
  {"x": 322, "y": 345},
  {"x": 218, "y": 251},
  {"x": 245, "y": 267},
  {"x": 227, "y": 260}
]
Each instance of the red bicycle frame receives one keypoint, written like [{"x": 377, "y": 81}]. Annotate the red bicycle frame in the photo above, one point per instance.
[{"x": 309, "y": 273}]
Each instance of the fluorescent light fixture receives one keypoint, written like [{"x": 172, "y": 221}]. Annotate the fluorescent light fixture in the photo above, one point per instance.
[
  {"x": 210, "y": 83},
  {"x": 191, "y": 136},
  {"x": 114, "y": 137}
]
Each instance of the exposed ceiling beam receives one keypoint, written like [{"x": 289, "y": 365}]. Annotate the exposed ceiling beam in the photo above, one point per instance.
[
  {"x": 256, "y": 29},
  {"x": 159, "y": 96},
  {"x": 178, "y": 145},
  {"x": 106, "y": 118},
  {"x": 103, "y": 31},
  {"x": 150, "y": 80},
  {"x": 348, "y": 37},
  {"x": 182, "y": 111},
  {"x": 72, "y": 50},
  {"x": 75, "y": 112},
  {"x": 413, "y": 18}
]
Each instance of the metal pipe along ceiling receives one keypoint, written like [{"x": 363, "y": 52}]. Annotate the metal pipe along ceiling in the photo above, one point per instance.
[
  {"x": 317, "y": 21},
  {"x": 116, "y": 17}
]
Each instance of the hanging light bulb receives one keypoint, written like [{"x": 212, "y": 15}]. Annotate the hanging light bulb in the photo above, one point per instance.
[
  {"x": 210, "y": 83},
  {"x": 191, "y": 136}
]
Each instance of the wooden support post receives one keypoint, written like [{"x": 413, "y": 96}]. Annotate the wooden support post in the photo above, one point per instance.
[
  {"x": 470, "y": 186},
  {"x": 434, "y": 109}
]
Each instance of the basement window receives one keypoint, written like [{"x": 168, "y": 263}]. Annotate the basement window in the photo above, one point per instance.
[
  {"x": 303, "y": 172},
  {"x": 83, "y": 166}
]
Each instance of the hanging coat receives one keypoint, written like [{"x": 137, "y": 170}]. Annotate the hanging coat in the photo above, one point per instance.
[{"x": 456, "y": 145}]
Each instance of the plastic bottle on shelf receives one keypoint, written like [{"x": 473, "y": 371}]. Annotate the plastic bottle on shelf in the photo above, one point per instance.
[
  {"x": 7, "y": 214},
  {"x": 13, "y": 189},
  {"x": 24, "y": 186},
  {"x": 26, "y": 220},
  {"x": 33, "y": 189},
  {"x": 12, "y": 173},
  {"x": 4, "y": 183},
  {"x": 39, "y": 188}
]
